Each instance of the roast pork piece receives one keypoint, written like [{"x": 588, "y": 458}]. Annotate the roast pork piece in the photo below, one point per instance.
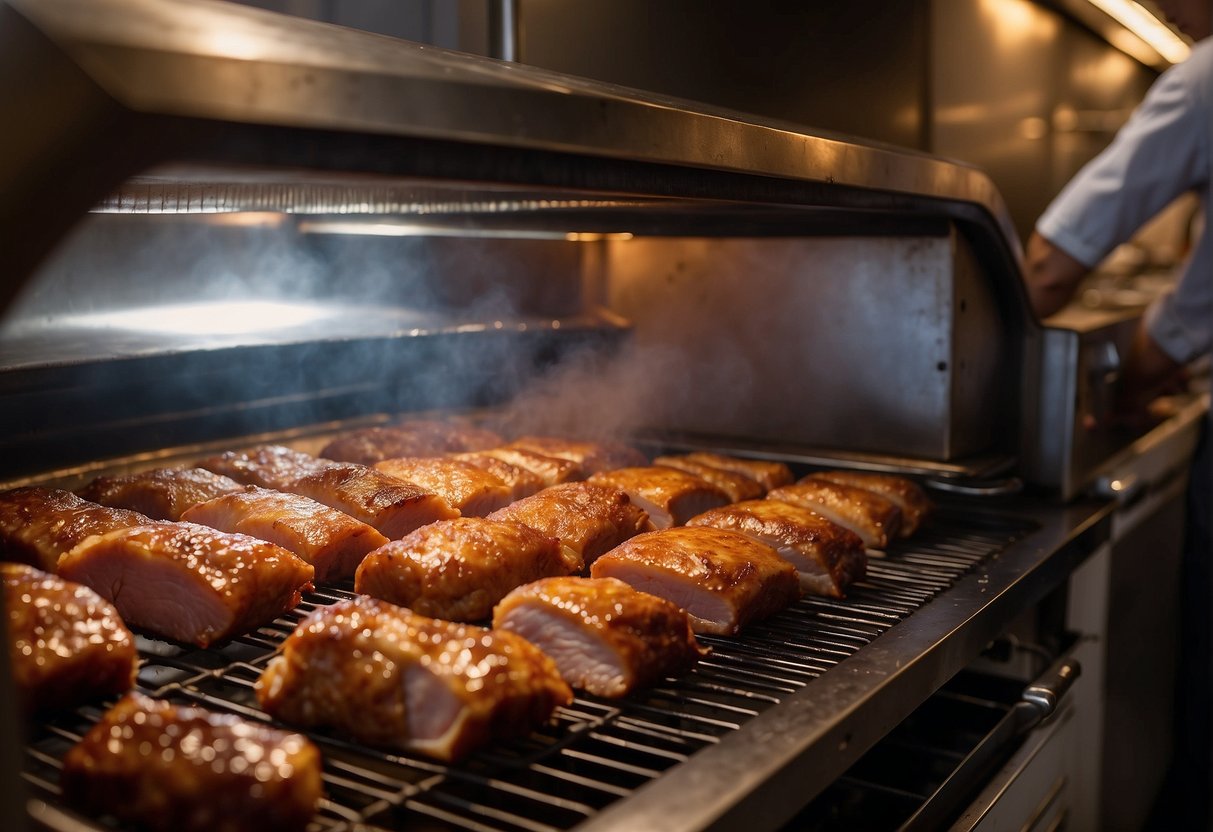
[
  {"x": 669, "y": 496},
  {"x": 388, "y": 676},
  {"x": 414, "y": 437},
  {"x": 66, "y": 643},
  {"x": 458, "y": 569},
  {"x": 766, "y": 473},
  {"x": 467, "y": 489},
  {"x": 520, "y": 481},
  {"x": 605, "y": 637},
  {"x": 169, "y": 768},
  {"x": 189, "y": 583},
  {"x": 873, "y": 517},
  {"x": 551, "y": 470},
  {"x": 332, "y": 542},
  {"x": 908, "y": 495},
  {"x": 161, "y": 493},
  {"x": 592, "y": 457},
  {"x": 39, "y": 525},
  {"x": 722, "y": 578},
  {"x": 827, "y": 556},
  {"x": 268, "y": 466},
  {"x": 393, "y": 507},
  {"x": 587, "y": 518},
  {"x": 738, "y": 486}
]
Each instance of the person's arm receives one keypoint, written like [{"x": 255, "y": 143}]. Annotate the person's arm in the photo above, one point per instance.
[
  {"x": 1051, "y": 275},
  {"x": 1146, "y": 373}
]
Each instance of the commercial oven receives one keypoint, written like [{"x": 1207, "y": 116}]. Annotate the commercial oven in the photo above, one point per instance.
[{"x": 221, "y": 226}]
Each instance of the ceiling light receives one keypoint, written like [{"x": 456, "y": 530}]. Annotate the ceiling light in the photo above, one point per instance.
[{"x": 1134, "y": 17}]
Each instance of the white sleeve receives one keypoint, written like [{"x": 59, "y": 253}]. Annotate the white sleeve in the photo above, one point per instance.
[
  {"x": 1160, "y": 153},
  {"x": 1181, "y": 321}
]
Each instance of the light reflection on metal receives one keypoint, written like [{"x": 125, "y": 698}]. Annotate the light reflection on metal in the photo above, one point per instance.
[
  {"x": 1134, "y": 17},
  {"x": 594, "y": 237},
  {"x": 219, "y": 318},
  {"x": 409, "y": 229},
  {"x": 413, "y": 229}
]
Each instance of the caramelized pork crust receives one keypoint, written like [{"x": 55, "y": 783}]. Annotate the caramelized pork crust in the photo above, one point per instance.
[
  {"x": 468, "y": 489},
  {"x": 189, "y": 583},
  {"x": 827, "y": 556},
  {"x": 909, "y": 496},
  {"x": 587, "y": 518},
  {"x": 520, "y": 481},
  {"x": 370, "y": 445},
  {"x": 205, "y": 772},
  {"x": 332, "y": 542},
  {"x": 39, "y": 525},
  {"x": 592, "y": 457},
  {"x": 722, "y": 578},
  {"x": 738, "y": 486},
  {"x": 412, "y": 437},
  {"x": 458, "y": 569},
  {"x": 455, "y": 434},
  {"x": 605, "y": 637},
  {"x": 390, "y": 677},
  {"x": 768, "y": 474},
  {"x": 267, "y": 466},
  {"x": 66, "y": 643},
  {"x": 873, "y": 517},
  {"x": 161, "y": 493},
  {"x": 551, "y": 470},
  {"x": 669, "y": 496},
  {"x": 391, "y": 506}
]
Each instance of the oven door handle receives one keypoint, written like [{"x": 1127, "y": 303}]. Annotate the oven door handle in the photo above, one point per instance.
[
  {"x": 1038, "y": 702},
  {"x": 1046, "y": 693}
]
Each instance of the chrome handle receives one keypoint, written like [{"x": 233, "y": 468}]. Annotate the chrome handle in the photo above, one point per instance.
[{"x": 1046, "y": 693}]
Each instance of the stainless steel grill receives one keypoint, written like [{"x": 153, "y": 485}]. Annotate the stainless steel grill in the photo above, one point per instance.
[{"x": 594, "y": 752}]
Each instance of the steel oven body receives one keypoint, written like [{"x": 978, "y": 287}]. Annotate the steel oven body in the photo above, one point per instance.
[{"x": 458, "y": 233}]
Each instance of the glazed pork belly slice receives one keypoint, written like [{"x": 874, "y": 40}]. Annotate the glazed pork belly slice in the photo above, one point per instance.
[
  {"x": 767, "y": 473},
  {"x": 467, "y": 489},
  {"x": 908, "y": 495},
  {"x": 391, "y": 506},
  {"x": 66, "y": 643},
  {"x": 267, "y": 466},
  {"x": 415, "y": 437},
  {"x": 723, "y": 579},
  {"x": 606, "y": 638},
  {"x": 591, "y": 457},
  {"x": 189, "y": 583},
  {"x": 332, "y": 542},
  {"x": 587, "y": 518},
  {"x": 161, "y": 493},
  {"x": 738, "y": 486},
  {"x": 206, "y": 771},
  {"x": 520, "y": 481},
  {"x": 669, "y": 496},
  {"x": 874, "y": 518},
  {"x": 390, "y": 677},
  {"x": 551, "y": 470},
  {"x": 458, "y": 569},
  {"x": 827, "y": 556},
  {"x": 39, "y": 525}
]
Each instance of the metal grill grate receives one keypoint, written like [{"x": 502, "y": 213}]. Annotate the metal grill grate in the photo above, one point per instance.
[{"x": 593, "y": 752}]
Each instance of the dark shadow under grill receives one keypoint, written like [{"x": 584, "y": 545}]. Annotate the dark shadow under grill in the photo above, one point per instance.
[{"x": 593, "y": 752}]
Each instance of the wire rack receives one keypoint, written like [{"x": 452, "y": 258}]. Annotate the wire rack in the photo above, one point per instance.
[{"x": 593, "y": 752}]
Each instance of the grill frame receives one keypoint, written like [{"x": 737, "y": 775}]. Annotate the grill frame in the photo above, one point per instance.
[{"x": 750, "y": 743}]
